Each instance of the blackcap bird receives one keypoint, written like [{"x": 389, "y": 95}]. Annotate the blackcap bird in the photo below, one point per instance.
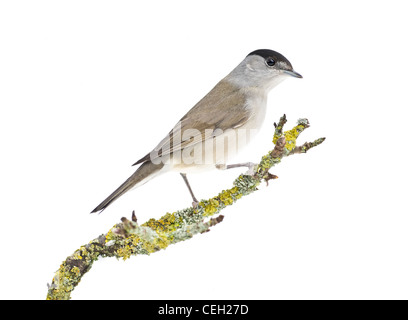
[{"x": 217, "y": 127}]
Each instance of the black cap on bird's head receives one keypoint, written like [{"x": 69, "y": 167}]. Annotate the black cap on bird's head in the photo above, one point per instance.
[{"x": 272, "y": 57}]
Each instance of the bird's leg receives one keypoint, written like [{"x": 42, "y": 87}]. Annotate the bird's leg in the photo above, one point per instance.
[
  {"x": 250, "y": 171},
  {"x": 195, "y": 201},
  {"x": 249, "y": 165}
]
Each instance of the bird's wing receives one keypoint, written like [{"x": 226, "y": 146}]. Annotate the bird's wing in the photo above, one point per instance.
[{"x": 229, "y": 103}]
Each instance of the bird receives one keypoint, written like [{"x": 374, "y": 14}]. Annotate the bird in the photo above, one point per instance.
[{"x": 221, "y": 124}]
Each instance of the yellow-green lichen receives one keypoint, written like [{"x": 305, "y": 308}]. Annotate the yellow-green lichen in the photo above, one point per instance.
[
  {"x": 167, "y": 223},
  {"x": 124, "y": 252},
  {"x": 276, "y": 137},
  {"x": 210, "y": 207},
  {"x": 226, "y": 197},
  {"x": 128, "y": 246},
  {"x": 267, "y": 162},
  {"x": 76, "y": 271},
  {"x": 111, "y": 234},
  {"x": 162, "y": 241},
  {"x": 291, "y": 136},
  {"x": 246, "y": 184},
  {"x": 235, "y": 193}
]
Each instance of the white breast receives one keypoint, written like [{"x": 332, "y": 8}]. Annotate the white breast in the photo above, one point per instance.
[{"x": 256, "y": 104}]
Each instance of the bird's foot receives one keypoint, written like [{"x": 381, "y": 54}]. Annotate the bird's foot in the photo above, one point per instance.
[{"x": 250, "y": 171}]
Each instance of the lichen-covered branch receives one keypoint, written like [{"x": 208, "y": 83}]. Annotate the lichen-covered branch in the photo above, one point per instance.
[{"x": 129, "y": 238}]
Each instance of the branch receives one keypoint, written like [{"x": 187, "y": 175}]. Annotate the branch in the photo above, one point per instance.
[{"x": 129, "y": 238}]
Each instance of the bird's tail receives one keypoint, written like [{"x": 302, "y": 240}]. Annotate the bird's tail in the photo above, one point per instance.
[{"x": 144, "y": 173}]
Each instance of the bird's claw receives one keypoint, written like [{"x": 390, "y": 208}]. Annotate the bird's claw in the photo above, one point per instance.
[{"x": 250, "y": 171}]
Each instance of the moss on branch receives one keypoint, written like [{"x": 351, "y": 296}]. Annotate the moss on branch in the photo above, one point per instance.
[{"x": 128, "y": 238}]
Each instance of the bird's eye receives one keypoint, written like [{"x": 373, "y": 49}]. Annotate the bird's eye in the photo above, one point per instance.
[{"x": 270, "y": 62}]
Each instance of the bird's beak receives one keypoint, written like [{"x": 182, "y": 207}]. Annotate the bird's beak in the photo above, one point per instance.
[{"x": 293, "y": 73}]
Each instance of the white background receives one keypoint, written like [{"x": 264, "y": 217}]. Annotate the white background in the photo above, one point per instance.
[{"x": 89, "y": 87}]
